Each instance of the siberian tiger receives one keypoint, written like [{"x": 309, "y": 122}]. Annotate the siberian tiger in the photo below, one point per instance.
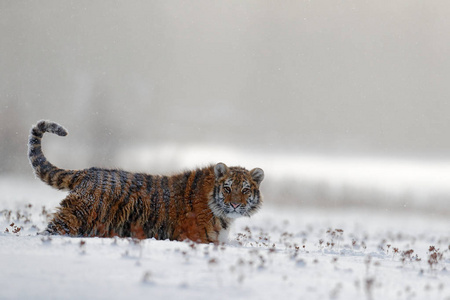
[{"x": 198, "y": 205}]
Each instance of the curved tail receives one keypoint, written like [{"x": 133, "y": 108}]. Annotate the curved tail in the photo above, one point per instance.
[{"x": 44, "y": 170}]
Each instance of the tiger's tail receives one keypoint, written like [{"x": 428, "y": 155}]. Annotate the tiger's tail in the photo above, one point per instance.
[{"x": 44, "y": 170}]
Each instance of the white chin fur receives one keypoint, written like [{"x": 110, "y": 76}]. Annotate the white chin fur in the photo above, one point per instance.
[{"x": 234, "y": 215}]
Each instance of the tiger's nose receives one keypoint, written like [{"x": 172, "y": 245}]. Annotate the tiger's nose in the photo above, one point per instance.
[{"x": 235, "y": 205}]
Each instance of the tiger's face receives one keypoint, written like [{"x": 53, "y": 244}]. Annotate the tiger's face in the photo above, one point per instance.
[{"x": 236, "y": 191}]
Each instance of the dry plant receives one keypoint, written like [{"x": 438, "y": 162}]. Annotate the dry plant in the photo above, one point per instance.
[
  {"x": 82, "y": 247},
  {"x": 435, "y": 256},
  {"x": 13, "y": 228}
]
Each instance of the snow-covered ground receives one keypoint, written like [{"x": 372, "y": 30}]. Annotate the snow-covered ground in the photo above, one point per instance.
[{"x": 282, "y": 252}]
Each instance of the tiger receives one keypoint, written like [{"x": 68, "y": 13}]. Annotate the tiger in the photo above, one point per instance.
[{"x": 197, "y": 205}]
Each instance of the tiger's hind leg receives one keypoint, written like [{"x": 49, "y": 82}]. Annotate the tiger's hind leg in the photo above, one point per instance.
[{"x": 68, "y": 220}]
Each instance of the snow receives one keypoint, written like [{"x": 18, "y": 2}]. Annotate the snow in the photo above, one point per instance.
[{"x": 281, "y": 252}]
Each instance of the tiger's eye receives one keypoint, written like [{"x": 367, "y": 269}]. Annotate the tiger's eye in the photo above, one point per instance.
[
  {"x": 245, "y": 191},
  {"x": 227, "y": 189}
]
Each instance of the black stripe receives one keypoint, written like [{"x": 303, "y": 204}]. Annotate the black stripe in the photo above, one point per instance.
[
  {"x": 92, "y": 180},
  {"x": 113, "y": 179},
  {"x": 34, "y": 141},
  {"x": 150, "y": 189},
  {"x": 60, "y": 179},
  {"x": 151, "y": 194},
  {"x": 162, "y": 232},
  {"x": 35, "y": 150},
  {"x": 123, "y": 178},
  {"x": 138, "y": 182},
  {"x": 186, "y": 176},
  {"x": 257, "y": 194},
  {"x": 131, "y": 189},
  {"x": 149, "y": 182},
  {"x": 99, "y": 178},
  {"x": 36, "y": 132},
  {"x": 52, "y": 127},
  {"x": 154, "y": 206},
  {"x": 198, "y": 173},
  {"x": 45, "y": 166},
  {"x": 138, "y": 210},
  {"x": 179, "y": 197},
  {"x": 62, "y": 224},
  {"x": 50, "y": 176},
  {"x": 98, "y": 174},
  {"x": 35, "y": 163},
  {"x": 125, "y": 200},
  {"x": 207, "y": 235},
  {"x": 166, "y": 191},
  {"x": 185, "y": 182},
  {"x": 163, "y": 228},
  {"x": 42, "y": 126},
  {"x": 74, "y": 180},
  {"x": 107, "y": 178},
  {"x": 125, "y": 230},
  {"x": 223, "y": 223}
]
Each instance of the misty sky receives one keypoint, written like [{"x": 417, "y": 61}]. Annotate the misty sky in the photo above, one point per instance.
[{"x": 334, "y": 77}]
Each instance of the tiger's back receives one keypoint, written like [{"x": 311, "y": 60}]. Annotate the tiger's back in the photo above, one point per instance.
[
  {"x": 198, "y": 205},
  {"x": 114, "y": 202}
]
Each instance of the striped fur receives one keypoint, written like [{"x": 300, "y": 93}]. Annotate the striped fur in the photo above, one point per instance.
[{"x": 198, "y": 205}]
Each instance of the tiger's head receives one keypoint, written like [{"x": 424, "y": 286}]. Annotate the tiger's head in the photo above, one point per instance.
[{"x": 236, "y": 191}]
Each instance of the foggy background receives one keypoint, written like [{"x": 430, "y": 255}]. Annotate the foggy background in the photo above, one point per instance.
[{"x": 342, "y": 90}]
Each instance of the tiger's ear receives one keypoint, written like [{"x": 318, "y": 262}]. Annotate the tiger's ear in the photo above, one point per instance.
[
  {"x": 257, "y": 175},
  {"x": 220, "y": 170}
]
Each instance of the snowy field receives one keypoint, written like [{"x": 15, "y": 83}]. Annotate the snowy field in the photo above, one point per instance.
[{"x": 280, "y": 253}]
